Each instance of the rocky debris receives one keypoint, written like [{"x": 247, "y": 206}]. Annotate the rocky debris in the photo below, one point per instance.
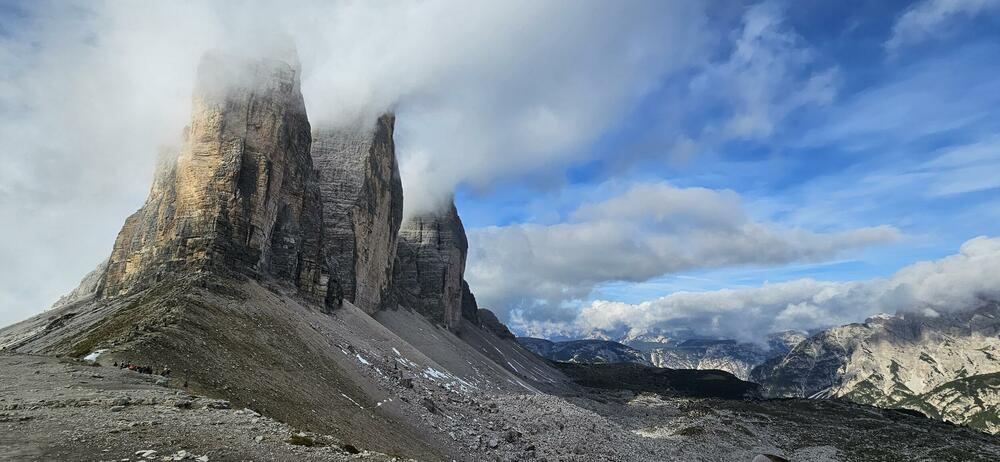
[
  {"x": 72, "y": 414},
  {"x": 889, "y": 359},
  {"x": 184, "y": 455},
  {"x": 768, "y": 458},
  {"x": 427, "y": 275},
  {"x": 726, "y": 355},
  {"x": 362, "y": 207},
  {"x": 428, "y": 404},
  {"x": 240, "y": 195}
]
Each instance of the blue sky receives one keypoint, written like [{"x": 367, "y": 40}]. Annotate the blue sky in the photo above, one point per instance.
[
  {"x": 779, "y": 158},
  {"x": 909, "y": 139}
]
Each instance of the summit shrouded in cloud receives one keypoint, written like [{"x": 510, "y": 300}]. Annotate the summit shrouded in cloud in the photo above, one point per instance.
[{"x": 738, "y": 168}]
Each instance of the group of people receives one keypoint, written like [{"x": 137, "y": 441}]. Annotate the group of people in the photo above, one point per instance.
[{"x": 142, "y": 369}]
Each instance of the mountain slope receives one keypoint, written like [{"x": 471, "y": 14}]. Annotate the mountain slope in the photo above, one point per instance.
[
  {"x": 584, "y": 351},
  {"x": 700, "y": 354},
  {"x": 888, "y": 360},
  {"x": 972, "y": 401}
]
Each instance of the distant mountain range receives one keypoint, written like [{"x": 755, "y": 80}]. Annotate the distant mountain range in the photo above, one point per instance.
[
  {"x": 668, "y": 352},
  {"x": 584, "y": 351},
  {"x": 946, "y": 366},
  {"x": 943, "y": 365}
]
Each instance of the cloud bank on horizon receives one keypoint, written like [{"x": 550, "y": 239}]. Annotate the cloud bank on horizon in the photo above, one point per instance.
[
  {"x": 602, "y": 157},
  {"x": 647, "y": 231},
  {"x": 957, "y": 282}
]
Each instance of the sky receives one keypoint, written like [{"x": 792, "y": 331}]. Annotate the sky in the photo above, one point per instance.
[{"x": 725, "y": 168}]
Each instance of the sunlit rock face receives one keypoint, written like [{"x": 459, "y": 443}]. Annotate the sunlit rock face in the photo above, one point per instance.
[
  {"x": 240, "y": 195},
  {"x": 430, "y": 265},
  {"x": 362, "y": 207},
  {"x": 894, "y": 360}
]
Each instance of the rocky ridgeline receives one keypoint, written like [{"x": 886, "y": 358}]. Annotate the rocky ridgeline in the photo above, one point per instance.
[
  {"x": 362, "y": 208},
  {"x": 241, "y": 194},
  {"x": 584, "y": 351},
  {"x": 701, "y": 354}
]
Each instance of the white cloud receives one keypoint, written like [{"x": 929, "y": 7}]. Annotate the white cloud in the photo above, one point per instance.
[
  {"x": 929, "y": 19},
  {"x": 769, "y": 73},
  {"x": 650, "y": 230},
  {"x": 954, "y": 283}
]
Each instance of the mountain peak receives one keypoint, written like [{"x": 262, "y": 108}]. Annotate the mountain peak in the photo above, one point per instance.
[{"x": 240, "y": 196}]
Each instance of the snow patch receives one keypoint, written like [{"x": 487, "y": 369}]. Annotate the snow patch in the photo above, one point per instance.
[
  {"x": 351, "y": 400},
  {"x": 93, "y": 356}
]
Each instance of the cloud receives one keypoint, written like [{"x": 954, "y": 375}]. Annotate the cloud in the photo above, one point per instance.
[
  {"x": 769, "y": 73},
  {"x": 929, "y": 19},
  {"x": 649, "y": 230},
  {"x": 954, "y": 283},
  {"x": 92, "y": 90}
]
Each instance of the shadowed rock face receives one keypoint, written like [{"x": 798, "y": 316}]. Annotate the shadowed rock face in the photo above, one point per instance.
[
  {"x": 362, "y": 208},
  {"x": 240, "y": 196},
  {"x": 470, "y": 309},
  {"x": 430, "y": 262},
  {"x": 487, "y": 320}
]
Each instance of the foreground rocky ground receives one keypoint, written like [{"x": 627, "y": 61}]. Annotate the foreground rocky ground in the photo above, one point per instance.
[
  {"x": 61, "y": 409},
  {"x": 56, "y": 409}
]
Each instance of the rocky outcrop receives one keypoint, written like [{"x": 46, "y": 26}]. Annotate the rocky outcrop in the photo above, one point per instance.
[
  {"x": 970, "y": 401},
  {"x": 362, "y": 208},
  {"x": 88, "y": 288},
  {"x": 240, "y": 195},
  {"x": 489, "y": 321},
  {"x": 430, "y": 262},
  {"x": 724, "y": 355}
]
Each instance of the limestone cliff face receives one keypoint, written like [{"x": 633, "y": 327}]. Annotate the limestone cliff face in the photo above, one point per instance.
[
  {"x": 241, "y": 194},
  {"x": 430, "y": 263},
  {"x": 362, "y": 208},
  {"x": 888, "y": 359}
]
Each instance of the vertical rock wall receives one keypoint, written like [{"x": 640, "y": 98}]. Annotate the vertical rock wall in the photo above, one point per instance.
[
  {"x": 362, "y": 208},
  {"x": 430, "y": 265},
  {"x": 240, "y": 196}
]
